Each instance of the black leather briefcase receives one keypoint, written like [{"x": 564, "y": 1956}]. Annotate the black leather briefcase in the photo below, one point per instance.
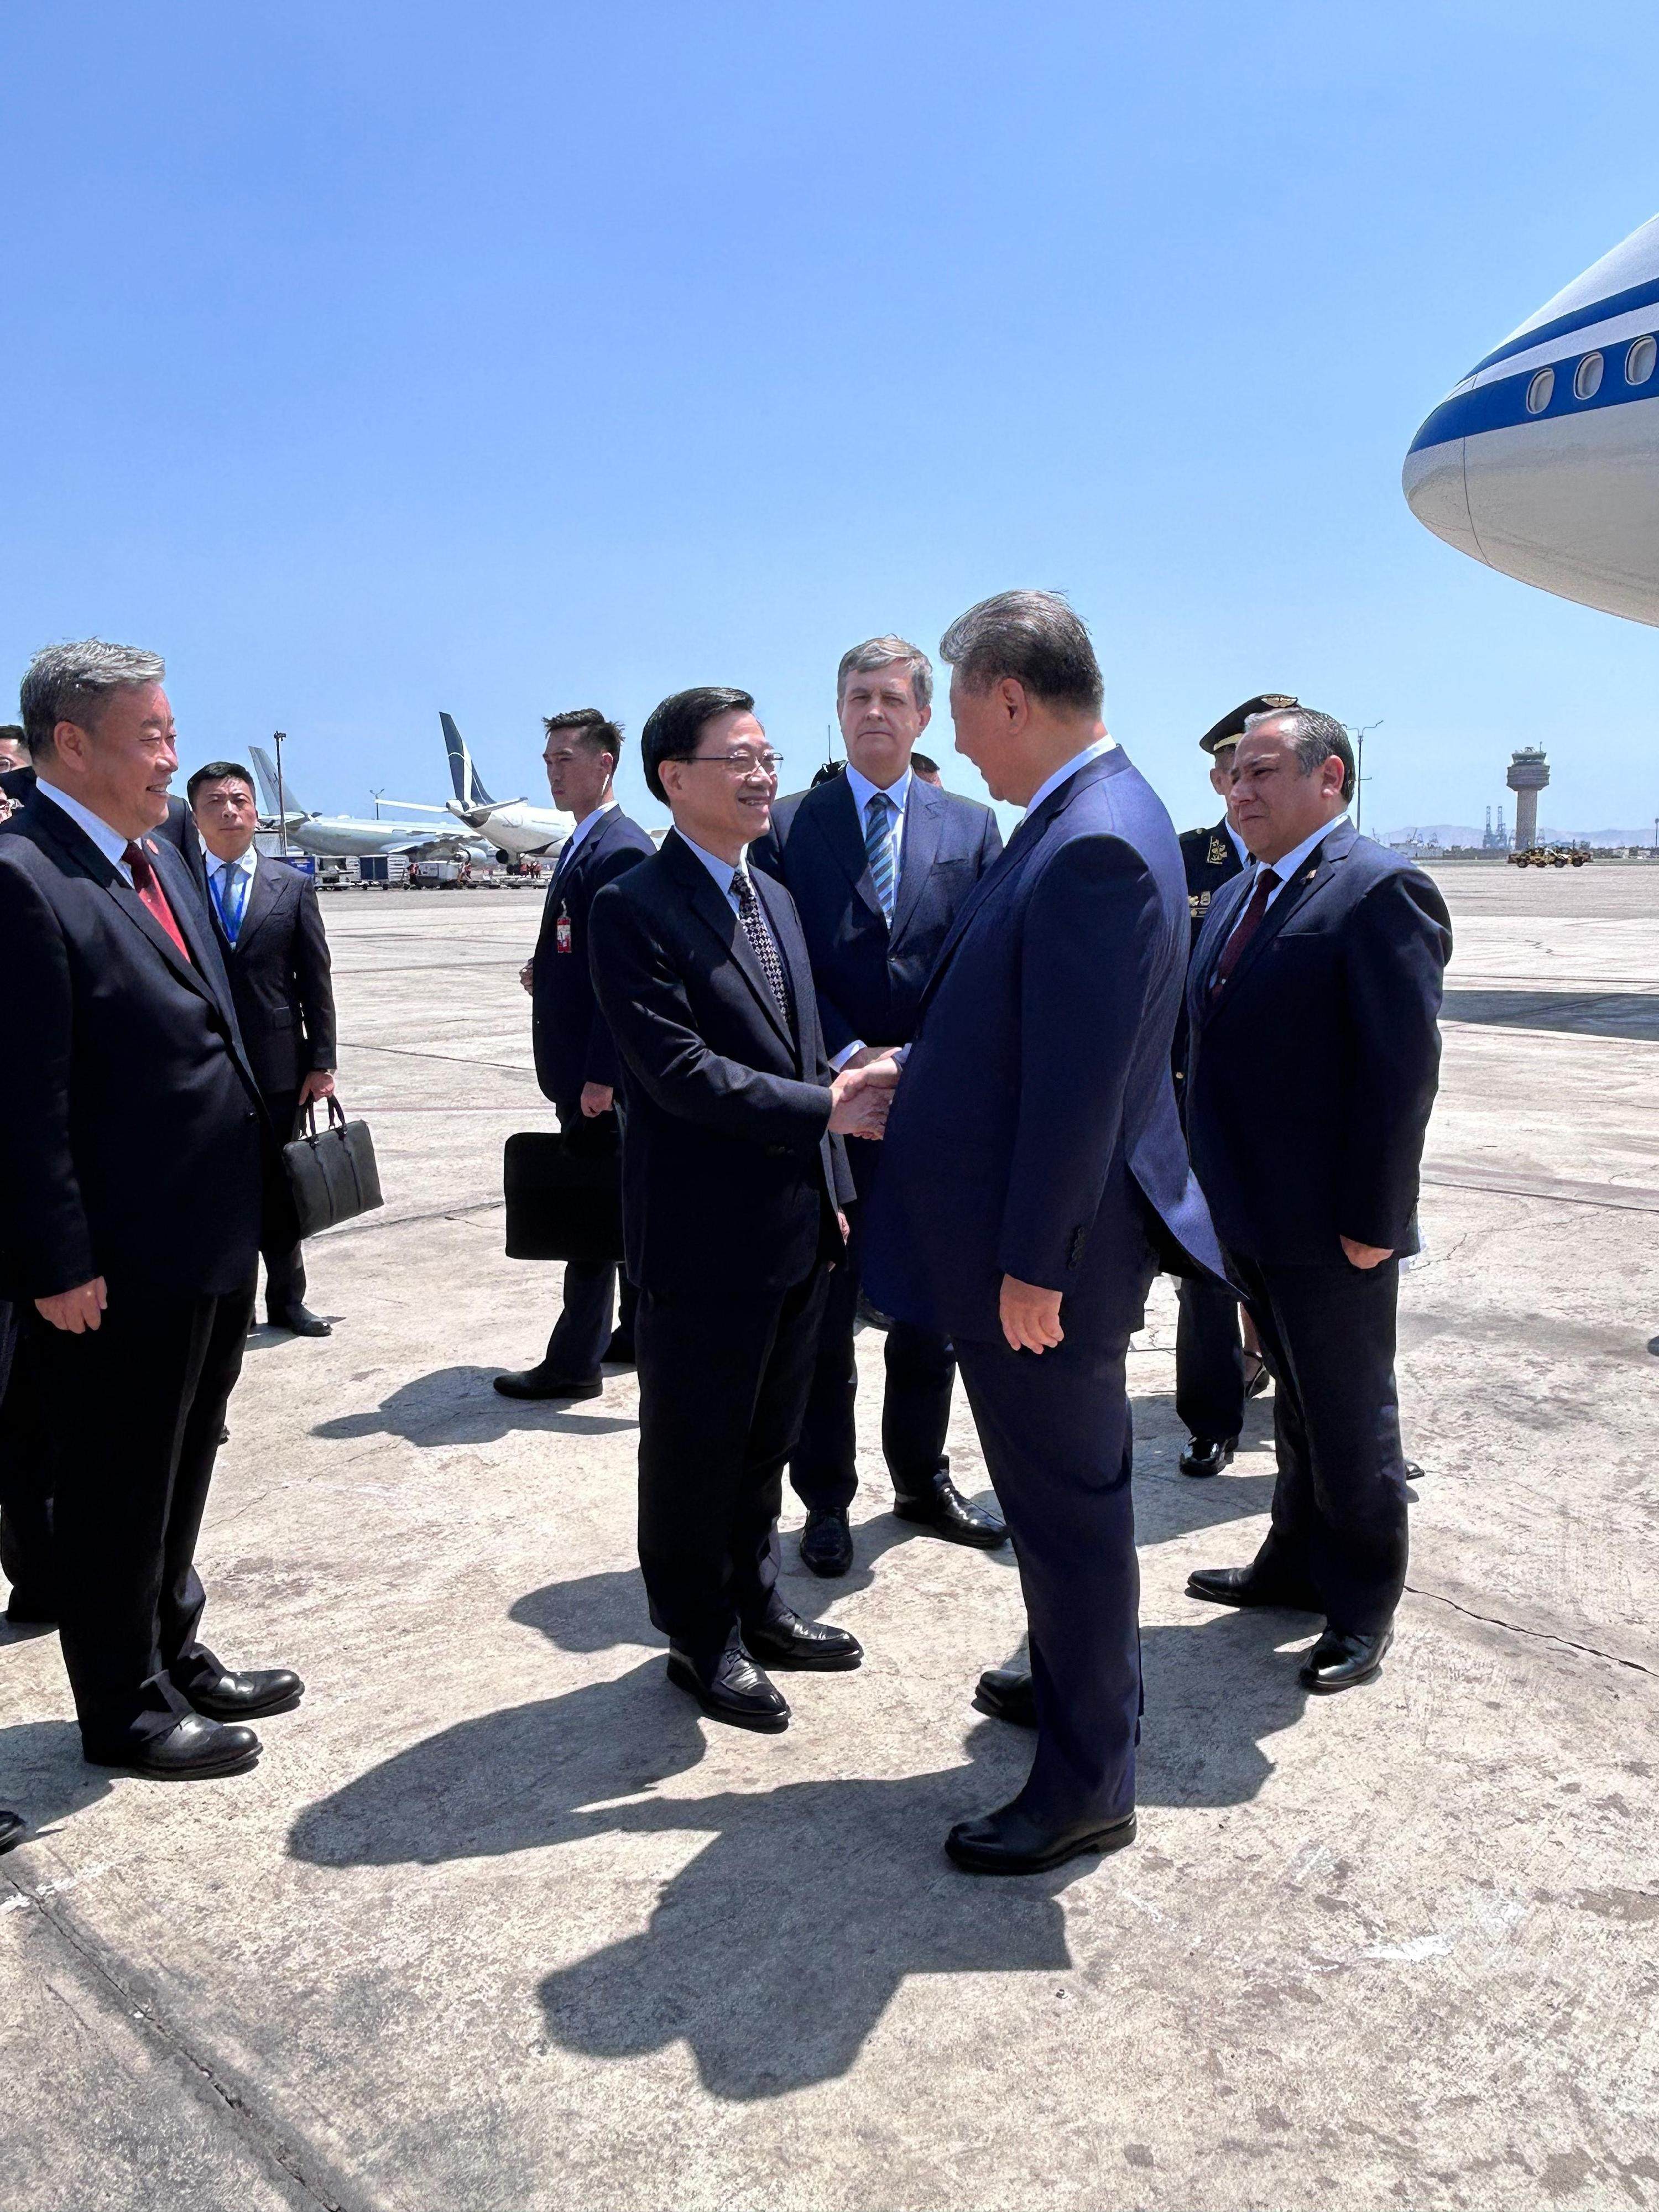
[
  {"x": 564, "y": 1200},
  {"x": 332, "y": 1173}
]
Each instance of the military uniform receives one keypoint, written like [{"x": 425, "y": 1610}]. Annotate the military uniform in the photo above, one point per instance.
[{"x": 1209, "y": 1346}]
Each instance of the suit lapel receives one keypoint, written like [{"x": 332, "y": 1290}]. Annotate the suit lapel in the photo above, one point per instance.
[
  {"x": 836, "y": 819},
  {"x": 73, "y": 844},
  {"x": 924, "y": 824},
  {"x": 712, "y": 907},
  {"x": 1314, "y": 872},
  {"x": 791, "y": 950}
]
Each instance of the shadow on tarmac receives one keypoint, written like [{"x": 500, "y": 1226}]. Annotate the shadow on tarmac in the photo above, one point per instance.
[
  {"x": 776, "y": 1948},
  {"x": 460, "y": 1406}
]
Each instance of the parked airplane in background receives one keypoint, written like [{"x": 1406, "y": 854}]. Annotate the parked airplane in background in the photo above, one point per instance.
[
  {"x": 1544, "y": 461},
  {"x": 514, "y": 826},
  {"x": 351, "y": 836}
]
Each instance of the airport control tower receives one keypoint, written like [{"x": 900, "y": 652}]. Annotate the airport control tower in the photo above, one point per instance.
[{"x": 1528, "y": 774}]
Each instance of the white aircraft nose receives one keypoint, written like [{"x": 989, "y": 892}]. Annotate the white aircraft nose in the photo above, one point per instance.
[{"x": 1436, "y": 491}]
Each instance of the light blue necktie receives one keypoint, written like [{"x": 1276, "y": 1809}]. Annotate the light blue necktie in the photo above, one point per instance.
[
  {"x": 231, "y": 890},
  {"x": 878, "y": 820}
]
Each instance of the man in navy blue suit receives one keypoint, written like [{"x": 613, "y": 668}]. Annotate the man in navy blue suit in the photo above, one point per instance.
[
  {"x": 575, "y": 1059},
  {"x": 1314, "y": 1004},
  {"x": 1036, "y": 1181},
  {"x": 879, "y": 863}
]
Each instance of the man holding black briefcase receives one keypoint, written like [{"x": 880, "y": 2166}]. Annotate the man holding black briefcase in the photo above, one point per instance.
[
  {"x": 575, "y": 1060},
  {"x": 268, "y": 922}
]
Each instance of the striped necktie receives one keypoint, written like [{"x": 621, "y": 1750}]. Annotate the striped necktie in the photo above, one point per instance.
[{"x": 879, "y": 818}]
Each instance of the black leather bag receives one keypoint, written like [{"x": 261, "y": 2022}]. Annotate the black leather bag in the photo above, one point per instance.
[
  {"x": 563, "y": 1199},
  {"x": 332, "y": 1173}
]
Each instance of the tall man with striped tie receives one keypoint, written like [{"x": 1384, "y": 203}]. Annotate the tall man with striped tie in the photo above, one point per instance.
[
  {"x": 734, "y": 1185},
  {"x": 879, "y": 863},
  {"x": 271, "y": 927}
]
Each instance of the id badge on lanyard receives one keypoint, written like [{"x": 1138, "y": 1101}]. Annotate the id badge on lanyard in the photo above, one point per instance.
[{"x": 561, "y": 931}]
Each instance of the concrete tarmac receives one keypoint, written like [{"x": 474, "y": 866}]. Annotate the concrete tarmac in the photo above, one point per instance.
[{"x": 498, "y": 1922}]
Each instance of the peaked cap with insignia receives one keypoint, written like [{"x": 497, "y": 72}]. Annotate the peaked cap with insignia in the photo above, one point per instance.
[{"x": 1230, "y": 728}]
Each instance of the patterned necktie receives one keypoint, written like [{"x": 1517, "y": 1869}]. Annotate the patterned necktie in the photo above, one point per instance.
[
  {"x": 150, "y": 890},
  {"x": 755, "y": 928},
  {"x": 230, "y": 894},
  {"x": 878, "y": 820},
  {"x": 1243, "y": 930}
]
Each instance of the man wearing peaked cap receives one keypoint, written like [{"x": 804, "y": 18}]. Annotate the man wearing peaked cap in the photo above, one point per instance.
[{"x": 1212, "y": 1382}]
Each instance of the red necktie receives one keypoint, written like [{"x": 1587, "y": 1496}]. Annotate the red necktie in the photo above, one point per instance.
[
  {"x": 1243, "y": 930},
  {"x": 150, "y": 890}
]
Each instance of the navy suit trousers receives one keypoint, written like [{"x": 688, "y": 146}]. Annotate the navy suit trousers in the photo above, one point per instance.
[
  {"x": 1054, "y": 1427},
  {"x": 1209, "y": 1360},
  {"x": 1339, "y": 1519},
  {"x": 915, "y": 1413}
]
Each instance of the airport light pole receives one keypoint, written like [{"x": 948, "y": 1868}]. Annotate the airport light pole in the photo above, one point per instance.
[
  {"x": 1360, "y": 737},
  {"x": 375, "y": 796},
  {"x": 277, "y": 738}
]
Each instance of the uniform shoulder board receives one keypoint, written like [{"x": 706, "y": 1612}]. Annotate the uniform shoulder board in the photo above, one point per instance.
[{"x": 1216, "y": 855}]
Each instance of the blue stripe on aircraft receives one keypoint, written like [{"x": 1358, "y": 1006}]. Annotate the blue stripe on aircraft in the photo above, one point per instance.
[
  {"x": 1616, "y": 303},
  {"x": 1502, "y": 405}
]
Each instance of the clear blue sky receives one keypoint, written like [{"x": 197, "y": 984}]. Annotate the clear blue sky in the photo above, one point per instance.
[{"x": 369, "y": 360}]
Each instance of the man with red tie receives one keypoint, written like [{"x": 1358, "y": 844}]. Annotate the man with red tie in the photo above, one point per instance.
[{"x": 141, "y": 1173}]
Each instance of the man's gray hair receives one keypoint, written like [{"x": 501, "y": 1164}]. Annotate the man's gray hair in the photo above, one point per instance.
[
  {"x": 73, "y": 684},
  {"x": 882, "y": 653},
  {"x": 1315, "y": 738},
  {"x": 1037, "y": 638}
]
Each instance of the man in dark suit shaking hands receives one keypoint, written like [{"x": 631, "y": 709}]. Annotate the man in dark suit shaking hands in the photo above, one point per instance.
[
  {"x": 575, "y": 1059},
  {"x": 276, "y": 953},
  {"x": 1035, "y": 1156},
  {"x": 139, "y": 1169},
  {"x": 1314, "y": 1004},
  {"x": 879, "y": 863},
  {"x": 733, "y": 1182}
]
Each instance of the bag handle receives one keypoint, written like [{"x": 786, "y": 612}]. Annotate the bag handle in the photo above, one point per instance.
[{"x": 305, "y": 1119}]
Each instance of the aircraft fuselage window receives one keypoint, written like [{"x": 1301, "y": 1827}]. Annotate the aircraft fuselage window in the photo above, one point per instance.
[
  {"x": 1539, "y": 390},
  {"x": 1587, "y": 382},
  {"x": 1640, "y": 361}
]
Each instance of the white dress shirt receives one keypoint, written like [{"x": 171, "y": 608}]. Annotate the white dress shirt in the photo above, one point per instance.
[
  {"x": 864, "y": 791},
  {"x": 1286, "y": 867},
  {"x": 219, "y": 873},
  {"x": 1240, "y": 846},
  {"x": 722, "y": 870},
  {"x": 589, "y": 822},
  {"x": 110, "y": 843},
  {"x": 1096, "y": 751}
]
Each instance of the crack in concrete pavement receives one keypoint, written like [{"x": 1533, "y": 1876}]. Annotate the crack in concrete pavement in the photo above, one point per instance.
[
  {"x": 1538, "y": 1635},
  {"x": 94, "y": 1957}
]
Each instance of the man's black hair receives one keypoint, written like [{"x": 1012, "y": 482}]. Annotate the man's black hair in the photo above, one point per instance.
[
  {"x": 215, "y": 772},
  {"x": 589, "y": 727},
  {"x": 674, "y": 727}
]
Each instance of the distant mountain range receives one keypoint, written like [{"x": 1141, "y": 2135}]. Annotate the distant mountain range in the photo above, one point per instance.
[{"x": 1465, "y": 832}]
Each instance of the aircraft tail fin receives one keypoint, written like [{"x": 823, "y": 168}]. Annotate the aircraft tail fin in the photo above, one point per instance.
[
  {"x": 265, "y": 768},
  {"x": 468, "y": 788}
]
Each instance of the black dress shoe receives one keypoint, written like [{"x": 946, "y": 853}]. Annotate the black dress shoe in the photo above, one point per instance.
[
  {"x": 1256, "y": 1378},
  {"x": 1006, "y": 1695},
  {"x": 942, "y": 1508},
  {"x": 299, "y": 1321},
  {"x": 1207, "y": 1455},
  {"x": 1244, "y": 1586},
  {"x": 249, "y": 1695},
  {"x": 787, "y": 1640},
  {"x": 1342, "y": 1661},
  {"x": 193, "y": 1749},
  {"x": 619, "y": 1352},
  {"x": 537, "y": 1382},
  {"x": 826, "y": 1541},
  {"x": 11, "y": 1828},
  {"x": 1011, "y": 1841},
  {"x": 730, "y": 1687}
]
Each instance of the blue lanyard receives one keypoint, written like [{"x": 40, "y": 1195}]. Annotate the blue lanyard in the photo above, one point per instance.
[{"x": 230, "y": 910}]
